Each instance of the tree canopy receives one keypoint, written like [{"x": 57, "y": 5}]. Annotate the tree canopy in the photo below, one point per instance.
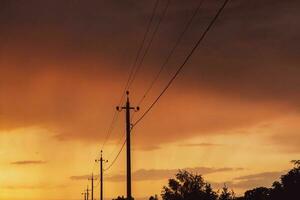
[{"x": 189, "y": 186}]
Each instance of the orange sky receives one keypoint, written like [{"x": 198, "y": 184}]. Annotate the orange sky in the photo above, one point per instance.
[{"x": 232, "y": 115}]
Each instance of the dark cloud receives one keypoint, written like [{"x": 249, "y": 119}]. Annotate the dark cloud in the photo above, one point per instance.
[
  {"x": 82, "y": 177},
  {"x": 63, "y": 63},
  {"x": 264, "y": 179},
  {"x": 159, "y": 174},
  {"x": 29, "y": 162}
]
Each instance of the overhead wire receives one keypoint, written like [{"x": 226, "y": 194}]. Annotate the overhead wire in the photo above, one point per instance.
[
  {"x": 171, "y": 52},
  {"x": 115, "y": 159},
  {"x": 132, "y": 69},
  {"x": 149, "y": 43},
  {"x": 184, "y": 62},
  {"x": 116, "y": 113},
  {"x": 176, "y": 73}
]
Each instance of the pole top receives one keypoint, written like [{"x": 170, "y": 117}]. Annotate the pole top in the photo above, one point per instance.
[{"x": 127, "y": 92}]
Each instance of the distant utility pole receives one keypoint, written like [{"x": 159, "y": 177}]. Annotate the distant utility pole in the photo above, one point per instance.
[
  {"x": 87, "y": 192},
  {"x": 84, "y": 194},
  {"x": 92, "y": 189},
  {"x": 127, "y": 107},
  {"x": 101, "y": 160}
]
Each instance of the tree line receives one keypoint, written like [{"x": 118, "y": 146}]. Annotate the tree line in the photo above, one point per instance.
[{"x": 189, "y": 186}]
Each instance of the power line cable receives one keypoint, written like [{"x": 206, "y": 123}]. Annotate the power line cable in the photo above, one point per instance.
[
  {"x": 116, "y": 114},
  {"x": 115, "y": 159},
  {"x": 132, "y": 69},
  {"x": 171, "y": 52},
  {"x": 150, "y": 42},
  {"x": 184, "y": 62},
  {"x": 175, "y": 75}
]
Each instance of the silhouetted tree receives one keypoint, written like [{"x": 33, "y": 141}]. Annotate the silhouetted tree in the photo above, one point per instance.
[
  {"x": 153, "y": 197},
  {"x": 188, "y": 186},
  {"x": 239, "y": 198},
  {"x": 226, "y": 194},
  {"x": 261, "y": 193},
  {"x": 289, "y": 187},
  {"x": 209, "y": 193},
  {"x": 121, "y": 198}
]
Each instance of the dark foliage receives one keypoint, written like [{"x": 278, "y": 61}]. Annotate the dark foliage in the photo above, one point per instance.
[
  {"x": 288, "y": 188},
  {"x": 260, "y": 193},
  {"x": 189, "y": 186},
  {"x": 226, "y": 194},
  {"x": 121, "y": 198}
]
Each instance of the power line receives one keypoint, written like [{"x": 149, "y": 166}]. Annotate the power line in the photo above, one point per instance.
[
  {"x": 175, "y": 75},
  {"x": 117, "y": 144},
  {"x": 172, "y": 51},
  {"x": 132, "y": 74},
  {"x": 115, "y": 159},
  {"x": 184, "y": 62},
  {"x": 132, "y": 69},
  {"x": 150, "y": 42},
  {"x": 110, "y": 129},
  {"x": 116, "y": 114}
]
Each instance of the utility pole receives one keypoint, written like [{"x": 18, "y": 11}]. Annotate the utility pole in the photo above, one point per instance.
[
  {"x": 127, "y": 107},
  {"x": 87, "y": 192},
  {"x": 92, "y": 189},
  {"x": 84, "y": 194},
  {"x": 101, "y": 160}
]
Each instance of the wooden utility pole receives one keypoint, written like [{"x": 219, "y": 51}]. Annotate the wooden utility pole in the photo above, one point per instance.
[
  {"x": 92, "y": 184},
  {"x": 87, "y": 192},
  {"x": 84, "y": 194},
  {"x": 127, "y": 108},
  {"x": 101, "y": 160}
]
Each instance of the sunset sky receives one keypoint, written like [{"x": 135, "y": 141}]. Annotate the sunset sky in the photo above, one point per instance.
[{"x": 232, "y": 115}]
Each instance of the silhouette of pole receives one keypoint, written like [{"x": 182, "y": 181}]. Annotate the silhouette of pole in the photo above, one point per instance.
[
  {"x": 101, "y": 160},
  {"x": 87, "y": 192},
  {"x": 92, "y": 184},
  {"x": 84, "y": 194},
  {"x": 127, "y": 107}
]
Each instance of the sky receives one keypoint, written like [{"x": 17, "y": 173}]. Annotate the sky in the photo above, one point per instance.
[{"x": 231, "y": 115}]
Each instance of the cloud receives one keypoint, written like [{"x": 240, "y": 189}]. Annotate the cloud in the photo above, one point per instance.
[
  {"x": 286, "y": 134},
  {"x": 29, "y": 162},
  {"x": 147, "y": 147},
  {"x": 32, "y": 187},
  {"x": 199, "y": 145},
  {"x": 68, "y": 68},
  {"x": 265, "y": 179},
  {"x": 160, "y": 174},
  {"x": 82, "y": 177},
  {"x": 264, "y": 175}
]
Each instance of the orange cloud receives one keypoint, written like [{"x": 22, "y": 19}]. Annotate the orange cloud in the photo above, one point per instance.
[
  {"x": 28, "y": 162},
  {"x": 159, "y": 174},
  {"x": 69, "y": 78}
]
